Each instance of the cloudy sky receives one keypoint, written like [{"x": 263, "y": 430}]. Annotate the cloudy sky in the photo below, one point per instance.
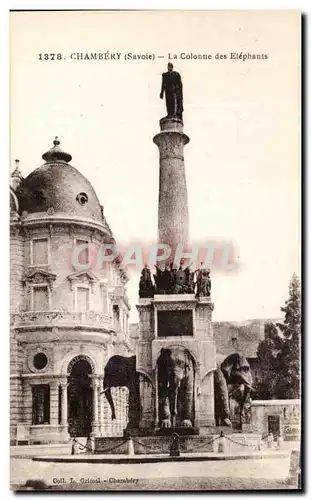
[{"x": 243, "y": 159}]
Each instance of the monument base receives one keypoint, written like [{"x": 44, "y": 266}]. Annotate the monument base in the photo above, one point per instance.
[
  {"x": 181, "y": 431},
  {"x": 161, "y": 445}
]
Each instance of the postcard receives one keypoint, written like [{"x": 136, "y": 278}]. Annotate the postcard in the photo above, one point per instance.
[{"x": 155, "y": 250}]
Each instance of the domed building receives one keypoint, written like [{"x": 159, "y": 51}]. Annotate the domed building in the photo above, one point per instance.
[{"x": 69, "y": 308}]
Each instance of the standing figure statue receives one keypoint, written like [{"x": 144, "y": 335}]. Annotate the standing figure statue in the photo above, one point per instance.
[
  {"x": 146, "y": 287},
  {"x": 203, "y": 283},
  {"x": 172, "y": 86}
]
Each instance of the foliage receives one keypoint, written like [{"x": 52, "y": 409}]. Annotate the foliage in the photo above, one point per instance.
[
  {"x": 288, "y": 385},
  {"x": 279, "y": 353},
  {"x": 267, "y": 353}
]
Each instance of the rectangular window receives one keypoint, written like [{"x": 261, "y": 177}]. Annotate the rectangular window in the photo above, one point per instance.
[
  {"x": 40, "y": 298},
  {"x": 116, "y": 315},
  {"x": 40, "y": 252},
  {"x": 40, "y": 404},
  {"x": 104, "y": 300},
  {"x": 83, "y": 299},
  {"x": 83, "y": 254}
]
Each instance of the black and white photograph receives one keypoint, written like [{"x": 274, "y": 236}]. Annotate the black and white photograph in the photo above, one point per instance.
[{"x": 155, "y": 250}]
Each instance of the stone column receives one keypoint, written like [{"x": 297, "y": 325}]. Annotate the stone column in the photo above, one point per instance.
[
  {"x": 100, "y": 408},
  {"x": 64, "y": 404},
  {"x": 54, "y": 402},
  {"x": 95, "y": 429},
  {"x": 173, "y": 201},
  {"x": 64, "y": 412}
]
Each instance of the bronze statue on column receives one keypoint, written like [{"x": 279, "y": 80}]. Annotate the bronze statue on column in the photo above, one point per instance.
[{"x": 172, "y": 87}]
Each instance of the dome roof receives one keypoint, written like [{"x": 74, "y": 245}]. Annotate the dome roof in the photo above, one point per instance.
[{"x": 59, "y": 186}]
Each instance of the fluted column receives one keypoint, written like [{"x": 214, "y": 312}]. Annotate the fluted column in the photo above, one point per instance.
[{"x": 54, "y": 385}]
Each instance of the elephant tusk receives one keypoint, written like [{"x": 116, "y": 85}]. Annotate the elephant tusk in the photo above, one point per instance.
[
  {"x": 104, "y": 391},
  {"x": 250, "y": 387}
]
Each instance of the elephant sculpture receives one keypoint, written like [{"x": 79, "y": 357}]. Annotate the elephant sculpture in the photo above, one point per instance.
[
  {"x": 175, "y": 387},
  {"x": 120, "y": 371},
  {"x": 232, "y": 378}
]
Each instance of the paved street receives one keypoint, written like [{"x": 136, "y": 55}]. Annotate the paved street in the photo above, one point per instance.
[{"x": 247, "y": 474}]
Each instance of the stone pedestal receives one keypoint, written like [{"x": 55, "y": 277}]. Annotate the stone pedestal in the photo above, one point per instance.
[{"x": 199, "y": 343}]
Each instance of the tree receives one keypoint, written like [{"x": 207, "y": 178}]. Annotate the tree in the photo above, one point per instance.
[
  {"x": 288, "y": 359},
  {"x": 267, "y": 353}
]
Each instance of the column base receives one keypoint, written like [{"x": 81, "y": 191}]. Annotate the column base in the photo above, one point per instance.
[
  {"x": 95, "y": 430},
  {"x": 46, "y": 434},
  {"x": 64, "y": 434}
]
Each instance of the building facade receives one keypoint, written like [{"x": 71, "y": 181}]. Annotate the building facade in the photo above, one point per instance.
[{"x": 69, "y": 308}]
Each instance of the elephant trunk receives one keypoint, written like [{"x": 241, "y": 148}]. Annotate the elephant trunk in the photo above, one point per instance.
[{"x": 108, "y": 395}]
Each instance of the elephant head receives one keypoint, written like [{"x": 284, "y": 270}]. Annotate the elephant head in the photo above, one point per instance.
[
  {"x": 232, "y": 379},
  {"x": 175, "y": 387},
  {"x": 120, "y": 371},
  {"x": 237, "y": 371}
]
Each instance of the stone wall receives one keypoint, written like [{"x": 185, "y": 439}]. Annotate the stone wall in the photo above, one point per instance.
[
  {"x": 61, "y": 333},
  {"x": 268, "y": 415},
  {"x": 16, "y": 355}
]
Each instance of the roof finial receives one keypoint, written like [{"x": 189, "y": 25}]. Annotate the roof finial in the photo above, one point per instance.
[
  {"x": 56, "y": 154},
  {"x": 16, "y": 176}
]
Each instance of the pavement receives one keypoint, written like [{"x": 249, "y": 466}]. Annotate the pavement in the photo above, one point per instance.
[
  {"x": 237, "y": 473},
  {"x": 156, "y": 458}
]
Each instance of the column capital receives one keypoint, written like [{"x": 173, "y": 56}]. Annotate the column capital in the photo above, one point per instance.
[
  {"x": 54, "y": 384},
  {"x": 95, "y": 382},
  {"x": 96, "y": 376}
]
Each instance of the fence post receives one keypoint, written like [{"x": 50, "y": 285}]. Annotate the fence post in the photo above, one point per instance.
[
  {"x": 89, "y": 446},
  {"x": 130, "y": 446},
  {"x": 74, "y": 447},
  {"x": 174, "y": 447},
  {"x": 222, "y": 443}
]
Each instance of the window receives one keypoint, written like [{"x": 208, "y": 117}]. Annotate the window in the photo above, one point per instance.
[
  {"x": 83, "y": 299},
  {"x": 40, "y": 298},
  {"x": 82, "y": 198},
  {"x": 104, "y": 300},
  {"x": 234, "y": 341},
  {"x": 39, "y": 252},
  {"x": 83, "y": 252},
  {"x": 116, "y": 315},
  {"x": 40, "y": 404}
]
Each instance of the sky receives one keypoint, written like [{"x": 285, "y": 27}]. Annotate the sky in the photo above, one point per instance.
[{"x": 242, "y": 117}]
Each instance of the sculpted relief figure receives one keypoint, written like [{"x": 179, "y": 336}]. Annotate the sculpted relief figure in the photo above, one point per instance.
[
  {"x": 172, "y": 88},
  {"x": 204, "y": 283},
  {"x": 173, "y": 280},
  {"x": 146, "y": 287},
  {"x": 175, "y": 387}
]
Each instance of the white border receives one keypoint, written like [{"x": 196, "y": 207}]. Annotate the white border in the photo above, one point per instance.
[{"x": 5, "y": 5}]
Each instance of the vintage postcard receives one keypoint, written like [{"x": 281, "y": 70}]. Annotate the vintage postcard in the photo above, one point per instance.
[{"x": 155, "y": 250}]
